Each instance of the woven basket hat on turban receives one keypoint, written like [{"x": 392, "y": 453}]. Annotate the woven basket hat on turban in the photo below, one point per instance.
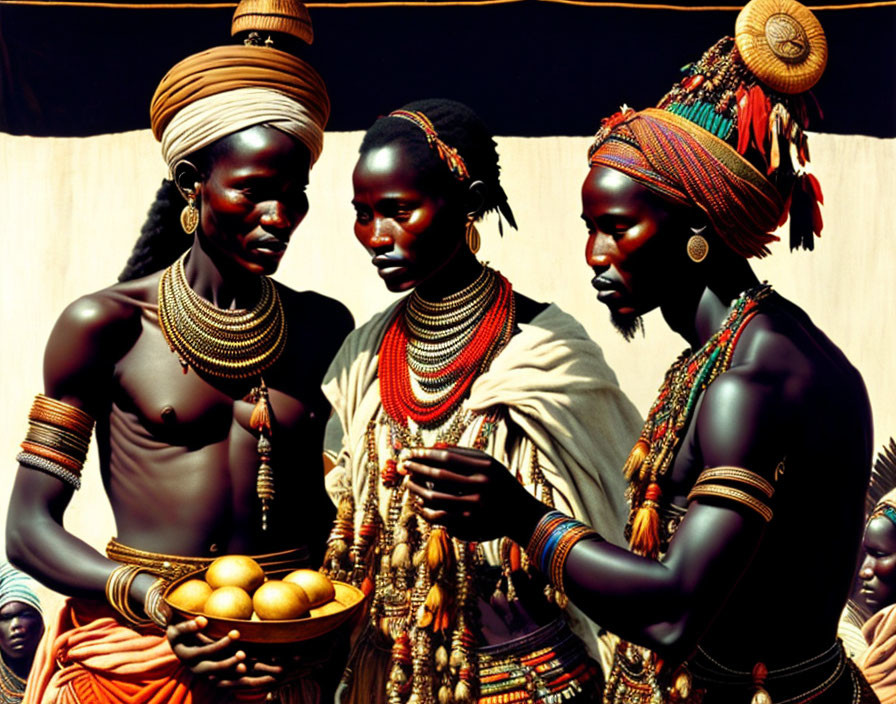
[
  {"x": 226, "y": 89},
  {"x": 729, "y": 136}
]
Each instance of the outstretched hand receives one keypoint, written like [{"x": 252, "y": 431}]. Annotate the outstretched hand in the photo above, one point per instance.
[{"x": 473, "y": 495}]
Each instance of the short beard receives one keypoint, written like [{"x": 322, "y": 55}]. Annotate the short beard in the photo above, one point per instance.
[{"x": 627, "y": 325}]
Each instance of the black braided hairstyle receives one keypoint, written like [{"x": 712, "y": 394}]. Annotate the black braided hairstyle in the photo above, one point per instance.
[
  {"x": 459, "y": 127},
  {"x": 162, "y": 240}
]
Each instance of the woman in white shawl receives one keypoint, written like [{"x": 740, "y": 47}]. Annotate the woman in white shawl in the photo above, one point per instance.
[{"x": 466, "y": 364}]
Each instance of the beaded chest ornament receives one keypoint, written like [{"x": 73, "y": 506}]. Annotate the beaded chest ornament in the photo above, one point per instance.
[{"x": 228, "y": 344}]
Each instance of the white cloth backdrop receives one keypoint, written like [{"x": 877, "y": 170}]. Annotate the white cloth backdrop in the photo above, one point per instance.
[{"x": 70, "y": 210}]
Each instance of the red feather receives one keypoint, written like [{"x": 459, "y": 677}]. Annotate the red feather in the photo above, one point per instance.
[
  {"x": 743, "y": 119},
  {"x": 759, "y": 109},
  {"x": 816, "y": 188}
]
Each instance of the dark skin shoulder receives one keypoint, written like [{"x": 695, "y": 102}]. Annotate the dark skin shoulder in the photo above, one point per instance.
[{"x": 107, "y": 356}]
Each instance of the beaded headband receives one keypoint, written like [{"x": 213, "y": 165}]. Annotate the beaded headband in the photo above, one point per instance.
[{"x": 449, "y": 155}]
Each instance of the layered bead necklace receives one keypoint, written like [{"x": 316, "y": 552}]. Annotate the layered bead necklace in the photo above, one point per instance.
[
  {"x": 424, "y": 596},
  {"x": 433, "y": 350},
  {"x": 231, "y": 344},
  {"x": 12, "y": 687},
  {"x": 667, "y": 421}
]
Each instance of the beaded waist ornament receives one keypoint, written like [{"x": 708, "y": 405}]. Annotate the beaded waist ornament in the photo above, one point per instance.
[
  {"x": 829, "y": 676},
  {"x": 228, "y": 344},
  {"x": 548, "y": 666}
]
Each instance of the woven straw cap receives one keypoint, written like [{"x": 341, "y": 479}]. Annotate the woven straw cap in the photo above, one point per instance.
[
  {"x": 782, "y": 43},
  {"x": 286, "y": 16}
]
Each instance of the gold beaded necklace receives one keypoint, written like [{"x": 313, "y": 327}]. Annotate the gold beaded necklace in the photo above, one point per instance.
[
  {"x": 12, "y": 687},
  {"x": 231, "y": 344}
]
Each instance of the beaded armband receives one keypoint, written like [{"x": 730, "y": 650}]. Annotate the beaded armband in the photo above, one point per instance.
[
  {"x": 554, "y": 536},
  {"x": 57, "y": 440},
  {"x": 736, "y": 484}
]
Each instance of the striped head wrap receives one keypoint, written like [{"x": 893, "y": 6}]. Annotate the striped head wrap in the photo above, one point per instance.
[
  {"x": 688, "y": 165},
  {"x": 886, "y": 507},
  {"x": 17, "y": 586},
  {"x": 226, "y": 89},
  {"x": 729, "y": 137}
]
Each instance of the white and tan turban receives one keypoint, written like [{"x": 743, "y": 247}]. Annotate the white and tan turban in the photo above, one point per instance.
[{"x": 217, "y": 92}]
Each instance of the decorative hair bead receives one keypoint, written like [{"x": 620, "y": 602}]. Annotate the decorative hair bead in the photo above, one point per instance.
[{"x": 448, "y": 154}]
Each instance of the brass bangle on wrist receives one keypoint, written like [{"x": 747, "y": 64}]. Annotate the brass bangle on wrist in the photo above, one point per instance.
[
  {"x": 118, "y": 589},
  {"x": 152, "y": 605}
]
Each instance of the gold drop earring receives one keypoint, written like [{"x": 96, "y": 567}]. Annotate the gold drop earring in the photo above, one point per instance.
[
  {"x": 697, "y": 247},
  {"x": 472, "y": 235},
  {"x": 189, "y": 216}
]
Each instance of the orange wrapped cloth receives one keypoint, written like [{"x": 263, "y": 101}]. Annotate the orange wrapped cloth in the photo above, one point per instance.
[
  {"x": 226, "y": 89},
  {"x": 878, "y": 662},
  {"x": 88, "y": 656}
]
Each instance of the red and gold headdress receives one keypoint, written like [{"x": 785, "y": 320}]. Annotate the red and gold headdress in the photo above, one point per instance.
[{"x": 729, "y": 137}]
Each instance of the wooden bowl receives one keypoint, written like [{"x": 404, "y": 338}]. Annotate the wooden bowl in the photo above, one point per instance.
[{"x": 287, "y": 631}]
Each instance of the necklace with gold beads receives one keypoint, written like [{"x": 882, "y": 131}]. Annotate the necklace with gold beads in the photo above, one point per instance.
[{"x": 228, "y": 344}]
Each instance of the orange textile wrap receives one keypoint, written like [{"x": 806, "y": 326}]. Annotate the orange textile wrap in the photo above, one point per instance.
[
  {"x": 87, "y": 656},
  {"x": 687, "y": 165},
  {"x": 226, "y": 68},
  {"x": 878, "y": 662}
]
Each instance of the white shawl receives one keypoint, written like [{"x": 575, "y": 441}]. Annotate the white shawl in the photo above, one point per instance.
[{"x": 558, "y": 392}]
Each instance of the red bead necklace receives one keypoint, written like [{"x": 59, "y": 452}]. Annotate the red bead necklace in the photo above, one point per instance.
[{"x": 455, "y": 374}]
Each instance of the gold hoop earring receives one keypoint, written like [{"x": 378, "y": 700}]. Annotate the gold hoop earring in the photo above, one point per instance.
[
  {"x": 698, "y": 247},
  {"x": 472, "y": 236},
  {"x": 189, "y": 216}
]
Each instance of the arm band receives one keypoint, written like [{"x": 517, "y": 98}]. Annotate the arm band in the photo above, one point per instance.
[
  {"x": 717, "y": 482},
  {"x": 57, "y": 440}
]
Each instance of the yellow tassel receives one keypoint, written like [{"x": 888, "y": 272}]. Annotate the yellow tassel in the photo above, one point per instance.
[
  {"x": 439, "y": 550},
  {"x": 463, "y": 693},
  {"x": 635, "y": 459},
  {"x": 436, "y": 609},
  {"x": 646, "y": 526}
]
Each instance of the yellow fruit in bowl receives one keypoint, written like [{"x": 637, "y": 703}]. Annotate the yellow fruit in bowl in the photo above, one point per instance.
[
  {"x": 277, "y": 600},
  {"x": 191, "y": 595},
  {"x": 316, "y": 585},
  {"x": 235, "y": 571},
  {"x": 228, "y": 602}
]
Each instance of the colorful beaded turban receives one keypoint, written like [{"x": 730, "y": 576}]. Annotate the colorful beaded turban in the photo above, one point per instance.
[
  {"x": 729, "y": 136},
  {"x": 226, "y": 89},
  {"x": 17, "y": 586}
]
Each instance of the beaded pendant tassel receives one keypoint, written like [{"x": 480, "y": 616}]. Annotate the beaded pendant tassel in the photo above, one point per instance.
[{"x": 261, "y": 422}]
